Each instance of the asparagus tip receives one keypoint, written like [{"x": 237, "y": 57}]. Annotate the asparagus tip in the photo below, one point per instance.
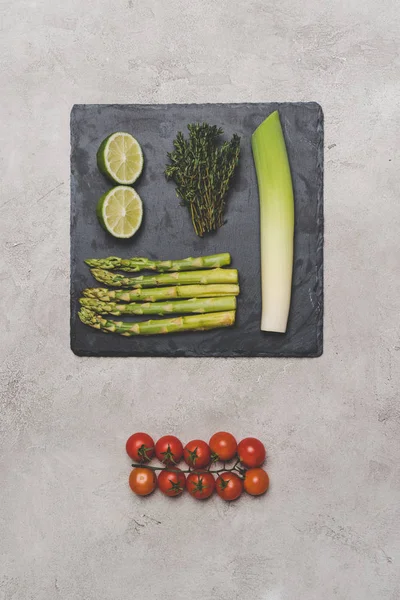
[{"x": 88, "y": 317}]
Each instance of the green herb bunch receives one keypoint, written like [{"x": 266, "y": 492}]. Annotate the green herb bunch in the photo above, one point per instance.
[{"x": 202, "y": 170}]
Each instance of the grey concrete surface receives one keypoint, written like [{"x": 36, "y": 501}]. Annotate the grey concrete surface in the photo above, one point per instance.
[{"x": 329, "y": 527}]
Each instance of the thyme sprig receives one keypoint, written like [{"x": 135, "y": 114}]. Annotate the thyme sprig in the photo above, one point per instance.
[{"x": 202, "y": 170}]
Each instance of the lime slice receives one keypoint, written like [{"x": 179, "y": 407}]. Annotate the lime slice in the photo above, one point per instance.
[
  {"x": 120, "y": 211},
  {"x": 120, "y": 158}
]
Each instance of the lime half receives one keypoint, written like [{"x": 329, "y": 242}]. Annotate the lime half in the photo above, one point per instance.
[
  {"x": 120, "y": 158},
  {"x": 120, "y": 211}
]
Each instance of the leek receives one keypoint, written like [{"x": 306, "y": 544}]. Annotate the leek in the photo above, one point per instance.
[{"x": 276, "y": 222}]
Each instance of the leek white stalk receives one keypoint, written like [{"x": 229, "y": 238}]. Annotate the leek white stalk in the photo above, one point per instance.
[{"x": 276, "y": 222}]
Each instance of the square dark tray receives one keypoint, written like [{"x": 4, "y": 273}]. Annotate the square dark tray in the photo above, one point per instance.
[{"x": 167, "y": 233}]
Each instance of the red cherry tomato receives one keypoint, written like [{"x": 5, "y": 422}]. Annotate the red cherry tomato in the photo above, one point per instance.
[
  {"x": 171, "y": 483},
  {"x": 140, "y": 447},
  {"x": 142, "y": 481},
  {"x": 223, "y": 446},
  {"x": 256, "y": 482},
  {"x": 197, "y": 454},
  {"x": 229, "y": 486},
  {"x": 251, "y": 452},
  {"x": 200, "y": 485},
  {"x": 169, "y": 450}
]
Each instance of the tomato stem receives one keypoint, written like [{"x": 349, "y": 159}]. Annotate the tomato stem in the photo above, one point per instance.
[{"x": 225, "y": 469}]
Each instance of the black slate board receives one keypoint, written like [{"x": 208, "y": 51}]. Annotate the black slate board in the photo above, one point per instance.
[{"x": 167, "y": 233}]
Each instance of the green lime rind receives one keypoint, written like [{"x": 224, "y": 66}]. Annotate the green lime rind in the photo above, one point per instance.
[
  {"x": 101, "y": 163},
  {"x": 99, "y": 210}
]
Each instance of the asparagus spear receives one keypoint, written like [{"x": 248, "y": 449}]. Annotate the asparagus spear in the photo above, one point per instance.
[
  {"x": 158, "y": 326},
  {"x": 164, "y": 293},
  {"x": 140, "y": 264},
  {"x": 189, "y": 277},
  {"x": 194, "y": 305}
]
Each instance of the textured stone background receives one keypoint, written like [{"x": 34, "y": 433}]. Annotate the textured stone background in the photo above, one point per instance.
[{"x": 329, "y": 528}]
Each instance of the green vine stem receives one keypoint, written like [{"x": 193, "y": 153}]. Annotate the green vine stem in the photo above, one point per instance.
[{"x": 174, "y": 469}]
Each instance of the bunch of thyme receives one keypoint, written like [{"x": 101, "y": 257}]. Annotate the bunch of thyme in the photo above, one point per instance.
[{"x": 202, "y": 170}]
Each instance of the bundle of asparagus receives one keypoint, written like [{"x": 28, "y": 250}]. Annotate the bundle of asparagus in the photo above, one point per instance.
[{"x": 191, "y": 285}]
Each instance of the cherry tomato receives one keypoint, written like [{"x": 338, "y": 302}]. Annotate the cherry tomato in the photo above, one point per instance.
[
  {"x": 171, "y": 483},
  {"x": 229, "y": 486},
  {"x": 197, "y": 454},
  {"x": 200, "y": 485},
  {"x": 142, "y": 481},
  {"x": 256, "y": 482},
  {"x": 169, "y": 450},
  {"x": 140, "y": 447},
  {"x": 251, "y": 452},
  {"x": 223, "y": 446}
]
